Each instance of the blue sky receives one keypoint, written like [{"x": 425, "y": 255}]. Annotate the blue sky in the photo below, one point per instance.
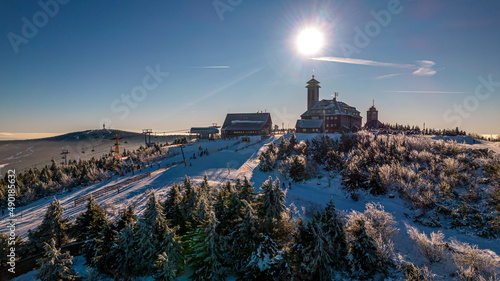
[{"x": 92, "y": 61}]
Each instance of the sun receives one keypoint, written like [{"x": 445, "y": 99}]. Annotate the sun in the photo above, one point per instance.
[{"x": 309, "y": 41}]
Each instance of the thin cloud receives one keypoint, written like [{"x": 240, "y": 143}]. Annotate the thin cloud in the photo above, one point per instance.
[
  {"x": 212, "y": 66},
  {"x": 362, "y": 62},
  {"x": 425, "y": 92},
  {"x": 423, "y": 67},
  {"x": 387, "y": 76}
]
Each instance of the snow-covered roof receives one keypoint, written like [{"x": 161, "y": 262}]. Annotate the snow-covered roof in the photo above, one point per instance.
[
  {"x": 246, "y": 121},
  {"x": 331, "y": 107},
  {"x": 309, "y": 124}
]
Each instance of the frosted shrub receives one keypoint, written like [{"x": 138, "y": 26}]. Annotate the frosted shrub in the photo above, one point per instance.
[
  {"x": 300, "y": 148},
  {"x": 415, "y": 273},
  {"x": 385, "y": 174},
  {"x": 379, "y": 222},
  {"x": 379, "y": 226},
  {"x": 284, "y": 167},
  {"x": 433, "y": 249},
  {"x": 451, "y": 166},
  {"x": 472, "y": 261}
]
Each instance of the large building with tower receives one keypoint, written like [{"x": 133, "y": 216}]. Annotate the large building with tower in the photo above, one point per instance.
[
  {"x": 247, "y": 124},
  {"x": 327, "y": 115}
]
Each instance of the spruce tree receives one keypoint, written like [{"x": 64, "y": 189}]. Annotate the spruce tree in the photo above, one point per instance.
[
  {"x": 165, "y": 268},
  {"x": 150, "y": 228},
  {"x": 283, "y": 149},
  {"x": 53, "y": 226},
  {"x": 247, "y": 191},
  {"x": 292, "y": 142},
  {"x": 365, "y": 261},
  {"x": 205, "y": 186},
  {"x": 207, "y": 257},
  {"x": 127, "y": 218},
  {"x": 126, "y": 254},
  {"x": 333, "y": 161},
  {"x": 55, "y": 265},
  {"x": 261, "y": 263},
  {"x": 333, "y": 227},
  {"x": 170, "y": 262},
  {"x": 273, "y": 199},
  {"x": 172, "y": 207},
  {"x": 320, "y": 247},
  {"x": 297, "y": 169},
  {"x": 90, "y": 223},
  {"x": 105, "y": 256},
  {"x": 353, "y": 178},
  {"x": 243, "y": 238}
]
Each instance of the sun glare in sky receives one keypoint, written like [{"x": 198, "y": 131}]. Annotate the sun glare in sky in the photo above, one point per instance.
[{"x": 309, "y": 41}]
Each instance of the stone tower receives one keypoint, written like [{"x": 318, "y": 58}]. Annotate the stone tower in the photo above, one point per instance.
[
  {"x": 312, "y": 92},
  {"x": 372, "y": 114}
]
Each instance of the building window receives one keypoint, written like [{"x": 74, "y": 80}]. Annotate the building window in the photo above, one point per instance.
[{"x": 335, "y": 117}]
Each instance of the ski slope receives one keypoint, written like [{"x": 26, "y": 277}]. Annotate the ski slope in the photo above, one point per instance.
[{"x": 237, "y": 160}]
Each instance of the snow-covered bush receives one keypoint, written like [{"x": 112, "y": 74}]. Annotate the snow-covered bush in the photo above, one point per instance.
[
  {"x": 268, "y": 158},
  {"x": 378, "y": 222},
  {"x": 300, "y": 148},
  {"x": 472, "y": 261},
  {"x": 365, "y": 260},
  {"x": 380, "y": 226},
  {"x": 415, "y": 273},
  {"x": 433, "y": 248}
]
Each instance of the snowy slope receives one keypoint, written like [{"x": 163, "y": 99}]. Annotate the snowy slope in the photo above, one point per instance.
[{"x": 310, "y": 195}]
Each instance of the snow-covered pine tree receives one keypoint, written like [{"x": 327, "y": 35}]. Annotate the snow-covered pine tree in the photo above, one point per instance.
[
  {"x": 55, "y": 265},
  {"x": 298, "y": 168},
  {"x": 333, "y": 161},
  {"x": 353, "y": 178},
  {"x": 105, "y": 256},
  {"x": 172, "y": 207},
  {"x": 301, "y": 250},
  {"x": 243, "y": 237},
  {"x": 320, "y": 248},
  {"x": 205, "y": 186},
  {"x": 165, "y": 268},
  {"x": 283, "y": 149},
  {"x": 90, "y": 223},
  {"x": 127, "y": 218},
  {"x": 268, "y": 158},
  {"x": 53, "y": 226},
  {"x": 191, "y": 202},
  {"x": 221, "y": 208},
  {"x": 292, "y": 142},
  {"x": 374, "y": 183},
  {"x": 364, "y": 259},
  {"x": 260, "y": 265},
  {"x": 127, "y": 257},
  {"x": 247, "y": 192},
  {"x": 170, "y": 262},
  {"x": 273, "y": 199},
  {"x": 320, "y": 149},
  {"x": 336, "y": 236},
  {"x": 233, "y": 210},
  {"x": 329, "y": 252},
  {"x": 150, "y": 228},
  {"x": 206, "y": 256}
]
